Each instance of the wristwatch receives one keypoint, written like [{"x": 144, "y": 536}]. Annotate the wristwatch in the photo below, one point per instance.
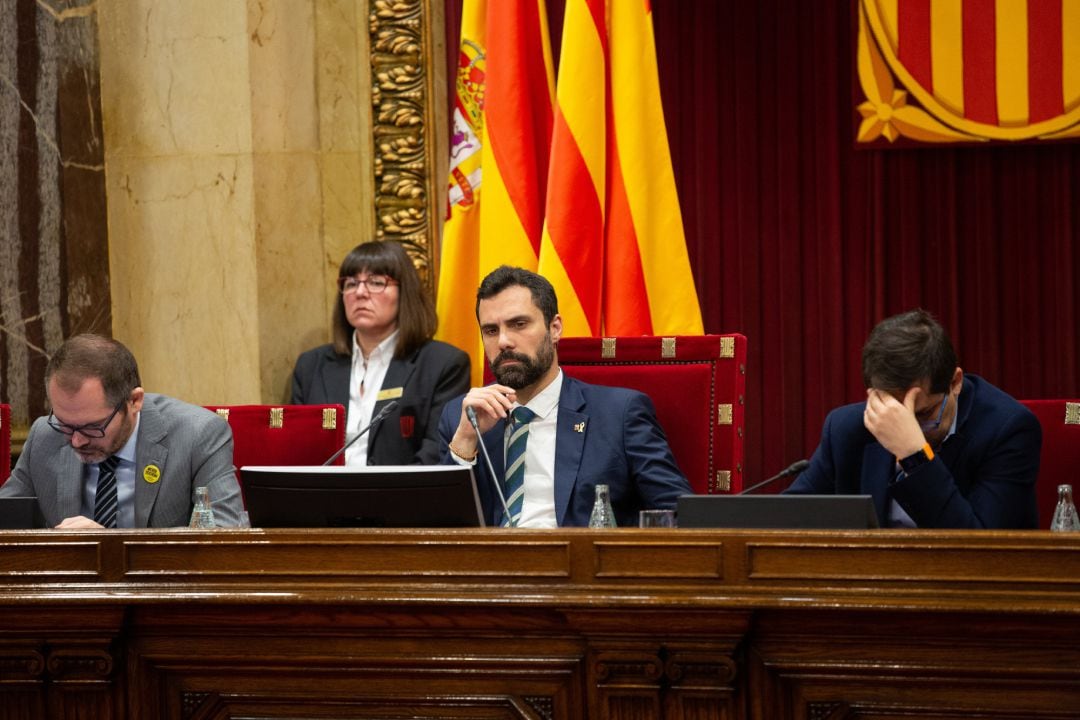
[{"x": 917, "y": 459}]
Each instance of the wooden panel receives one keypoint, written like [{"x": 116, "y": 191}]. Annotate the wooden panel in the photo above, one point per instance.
[
  {"x": 624, "y": 624},
  {"x": 686, "y": 560},
  {"x": 248, "y": 559}
]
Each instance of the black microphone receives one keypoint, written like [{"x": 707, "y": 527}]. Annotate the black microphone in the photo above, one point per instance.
[
  {"x": 471, "y": 414},
  {"x": 793, "y": 469},
  {"x": 381, "y": 414}
]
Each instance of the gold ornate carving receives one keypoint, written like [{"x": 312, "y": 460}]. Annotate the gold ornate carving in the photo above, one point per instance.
[
  {"x": 727, "y": 347},
  {"x": 277, "y": 417},
  {"x": 725, "y": 414},
  {"x": 667, "y": 347},
  {"x": 1072, "y": 413},
  {"x": 723, "y": 482},
  {"x": 607, "y": 347},
  {"x": 406, "y": 197},
  {"x": 224, "y": 413}
]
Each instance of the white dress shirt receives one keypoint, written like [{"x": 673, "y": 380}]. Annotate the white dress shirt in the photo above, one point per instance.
[
  {"x": 538, "y": 508},
  {"x": 365, "y": 381}
]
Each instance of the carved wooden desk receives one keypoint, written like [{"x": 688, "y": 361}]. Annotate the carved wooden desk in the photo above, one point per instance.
[{"x": 571, "y": 624}]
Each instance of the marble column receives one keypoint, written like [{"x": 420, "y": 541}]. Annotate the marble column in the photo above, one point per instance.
[
  {"x": 243, "y": 146},
  {"x": 53, "y": 262},
  {"x": 238, "y": 171}
]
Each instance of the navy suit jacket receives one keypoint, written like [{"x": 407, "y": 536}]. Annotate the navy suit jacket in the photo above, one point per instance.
[
  {"x": 427, "y": 379},
  {"x": 983, "y": 476},
  {"x": 604, "y": 435}
]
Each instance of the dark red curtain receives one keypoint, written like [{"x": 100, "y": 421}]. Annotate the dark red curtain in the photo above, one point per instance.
[{"x": 802, "y": 241}]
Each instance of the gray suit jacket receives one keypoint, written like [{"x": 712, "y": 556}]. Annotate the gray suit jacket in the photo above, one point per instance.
[{"x": 191, "y": 446}]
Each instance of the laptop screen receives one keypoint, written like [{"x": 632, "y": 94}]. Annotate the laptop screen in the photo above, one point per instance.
[
  {"x": 790, "y": 512},
  {"x": 20, "y": 513},
  {"x": 375, "y": 496}
]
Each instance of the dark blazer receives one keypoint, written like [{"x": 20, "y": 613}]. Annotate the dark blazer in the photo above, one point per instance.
[
  {"x": 604, "y": 435},
  {"x": 983, "y": 476},
  {"x": 190, "y": 447},
  {"x": 427, "y": 379}
]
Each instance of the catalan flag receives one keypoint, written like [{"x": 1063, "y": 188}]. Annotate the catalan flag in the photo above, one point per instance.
[
  {"x": 613, "y": 243},
  {"x": 499, "y": 157},
  {"x": 576, "y": 184}
]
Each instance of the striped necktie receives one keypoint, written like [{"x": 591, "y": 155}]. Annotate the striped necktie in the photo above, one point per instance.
[
  {"x": 105, "y": 503},
  {"x": 515, "y": 463}
]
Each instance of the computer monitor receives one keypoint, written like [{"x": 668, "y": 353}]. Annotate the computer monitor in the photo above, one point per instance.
[
  {"x": 440, "y": 496},
  {"x": 20, "y": 513},
  {"x": 788, "y": 512}
]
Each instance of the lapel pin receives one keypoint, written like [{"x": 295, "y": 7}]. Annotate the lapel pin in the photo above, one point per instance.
[
  {"x": 151, "y": 474},
  {"x": 579, "y": 427}
]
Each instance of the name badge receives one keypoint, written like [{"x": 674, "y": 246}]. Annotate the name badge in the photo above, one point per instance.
[{"x": 389, "y": 394}]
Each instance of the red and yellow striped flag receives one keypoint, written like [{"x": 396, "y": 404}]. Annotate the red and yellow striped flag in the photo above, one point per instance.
[
  {"x": 499, "y": 157},
  {"x": 613, "y": 243}
]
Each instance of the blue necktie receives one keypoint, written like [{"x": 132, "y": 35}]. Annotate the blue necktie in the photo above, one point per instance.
[
  {"x": 105, "y": 503},
  {"x": 515, "y": 462}
]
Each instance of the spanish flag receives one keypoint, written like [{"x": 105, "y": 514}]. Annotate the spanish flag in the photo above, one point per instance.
[
  {"x": 500, "y": 144},
  {"x": 613, "y": 243}
]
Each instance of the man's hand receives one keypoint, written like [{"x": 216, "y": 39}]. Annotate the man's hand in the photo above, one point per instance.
[
  {"x": 79, "y": 523},
  {"x": 893, "y": 422},
  {"x": 491, "y": 404}
]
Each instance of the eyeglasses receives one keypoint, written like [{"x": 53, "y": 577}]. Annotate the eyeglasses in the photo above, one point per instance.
[
  {"x": 928, "y": 425},
  {"x": 90, "y": 430},
  {"x": 375, "y": 284}
]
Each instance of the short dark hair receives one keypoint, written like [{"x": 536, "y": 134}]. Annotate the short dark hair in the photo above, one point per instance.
[
  {"x": 504, "y": 276},
  {"x": 87, "y": 356},
  {"x": 906, "y": 349},
  {"x": 416, "y": 319}
]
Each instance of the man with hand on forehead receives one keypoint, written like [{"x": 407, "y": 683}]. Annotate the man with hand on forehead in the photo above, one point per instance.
[
  {"x": 110, "y": 455},
  {"x": 934, "y": 447}
]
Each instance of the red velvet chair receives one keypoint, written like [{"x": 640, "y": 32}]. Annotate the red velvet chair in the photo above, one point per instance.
[
  {"x": 284, "y": 434},
  {"x": 698, "y": 385},
  {"x": 1060, "y": 460},
  {"x": 5, "y": 443}
]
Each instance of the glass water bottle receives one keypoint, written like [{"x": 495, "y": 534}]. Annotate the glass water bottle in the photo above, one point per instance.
[
  {"x": 1065, "y": 519},
  {"x": 202, "y": 517},
  {"x": 603, "y": 515}
]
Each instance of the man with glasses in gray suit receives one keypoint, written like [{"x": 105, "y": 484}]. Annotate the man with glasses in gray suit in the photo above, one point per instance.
[{"x": 111, "y": 455}]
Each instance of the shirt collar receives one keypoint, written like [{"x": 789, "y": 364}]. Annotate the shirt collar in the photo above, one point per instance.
[
  {"x": 386, "y": 346},
  {"x": 127, "y": 453},
  {"x": 545, "y": 401}
]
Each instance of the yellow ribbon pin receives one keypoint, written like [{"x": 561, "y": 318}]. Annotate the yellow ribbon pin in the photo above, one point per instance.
[{"x": 151, "y": 474}]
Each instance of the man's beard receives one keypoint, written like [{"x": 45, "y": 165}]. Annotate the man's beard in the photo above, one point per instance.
[
  {"x": 92, "y": 453},
  {"x": 529, "y": 371}
]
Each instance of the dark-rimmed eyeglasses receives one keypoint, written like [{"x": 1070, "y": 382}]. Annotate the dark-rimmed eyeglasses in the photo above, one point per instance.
[
  {"x": 375, "y": 284},
  {"x": 90, "y": 430},
  {"x": 928, "y": 425}
]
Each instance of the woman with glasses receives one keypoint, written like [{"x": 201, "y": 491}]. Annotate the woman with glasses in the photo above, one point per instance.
[{"x": 383, "y": 351}]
